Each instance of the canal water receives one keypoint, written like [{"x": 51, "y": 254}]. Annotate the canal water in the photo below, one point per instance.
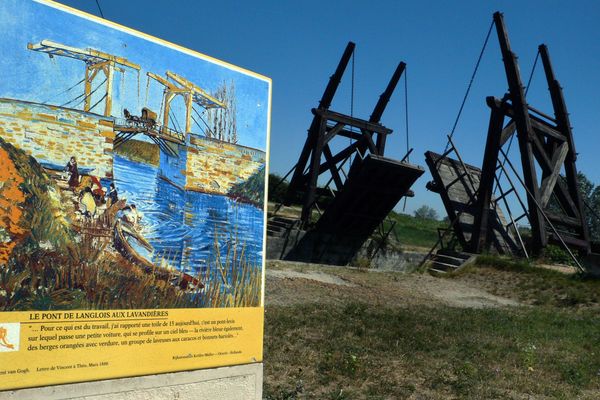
[{"x": 188, "y": 229}]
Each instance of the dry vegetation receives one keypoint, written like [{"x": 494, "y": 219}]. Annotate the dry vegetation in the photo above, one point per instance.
[{"x": 57, "y": 262}]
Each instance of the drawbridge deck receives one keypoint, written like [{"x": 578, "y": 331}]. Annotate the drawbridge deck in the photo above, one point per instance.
[
  {"x": 371, "y": 191},
  {"x": 458, "y": 189},
  {"x": 163, "y": 136}
]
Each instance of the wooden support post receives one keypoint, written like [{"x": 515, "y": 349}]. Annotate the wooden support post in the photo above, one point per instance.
[
  {"x": 90, "y": 74},
  {"x": 524, "y": 135},
  {"x": 313, "y": 173},
  {"x": 334, "y": 81},
  {"x": 109, "y": 71},
  {"x": 479, "y": 239},
  {"x": 564, "y": 126},
  {"x": 168, "y": 97},
  {"x": 188, "y": 112},
  {"x": 383, "y": 101}
]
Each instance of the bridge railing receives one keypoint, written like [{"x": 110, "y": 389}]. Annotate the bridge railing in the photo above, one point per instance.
[{"x": 146, "y": 126}]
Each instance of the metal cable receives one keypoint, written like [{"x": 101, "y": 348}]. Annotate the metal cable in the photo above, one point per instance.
[
  {"x": 100, "y": 9},
  {"x": 98, "y": 102},
  {"x": 487, "y": 37},
  {"x": 64, "y": 91},
  {"x": 84, "y": 96},
  {"x": 406, "y": 125},
  {"x": 537, "y": 56}
]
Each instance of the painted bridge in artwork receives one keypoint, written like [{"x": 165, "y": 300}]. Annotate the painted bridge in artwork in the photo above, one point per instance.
[{"x": 52, "y": 134}]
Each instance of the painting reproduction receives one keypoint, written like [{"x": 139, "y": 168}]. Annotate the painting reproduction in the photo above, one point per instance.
[{"x": 132, "y": 171}]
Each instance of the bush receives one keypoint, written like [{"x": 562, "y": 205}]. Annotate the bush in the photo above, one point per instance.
[{"x": 426, "y": 212}]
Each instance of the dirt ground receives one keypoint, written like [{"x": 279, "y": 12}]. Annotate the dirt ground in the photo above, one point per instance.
[
  {"x": 295, "y": 283},
  {"x": 493, "y": 331}
]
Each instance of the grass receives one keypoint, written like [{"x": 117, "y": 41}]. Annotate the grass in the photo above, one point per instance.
[
  {"x": 137, "y": 150},
  {"x": 534, "y": 285},
  {"x": 358, "y": 351},
  {"x": 394, "y": 336},
  {"x": 251, "y": 190},
  {"x": 232, "y": 282},
  {"x": 413, "y": 231},
  {"x": 90, "y": 276}
]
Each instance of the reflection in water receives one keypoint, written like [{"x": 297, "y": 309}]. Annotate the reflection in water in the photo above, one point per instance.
[{"x": 183, "y": 226}]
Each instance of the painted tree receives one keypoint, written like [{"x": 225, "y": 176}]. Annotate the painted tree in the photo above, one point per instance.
[{"x": 222, "y": 122}]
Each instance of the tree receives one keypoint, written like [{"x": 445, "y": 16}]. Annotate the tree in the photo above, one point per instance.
[
  {"x": 277, "y": 188},
  {"x": 591, "y": 198},
  {"x": 426, "y": 212}
]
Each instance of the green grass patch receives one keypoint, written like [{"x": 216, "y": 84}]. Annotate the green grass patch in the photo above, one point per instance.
[
  {"x": 414, "y": 231},
  {"x": 537, "y": 285},
  {"x": 361, "y": 351}
]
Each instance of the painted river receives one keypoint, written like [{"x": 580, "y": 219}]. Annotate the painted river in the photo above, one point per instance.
[{"x": 188, "y": 230}]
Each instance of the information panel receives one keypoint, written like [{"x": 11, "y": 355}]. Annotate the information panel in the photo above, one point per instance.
[{"x": 132, "y": 202}]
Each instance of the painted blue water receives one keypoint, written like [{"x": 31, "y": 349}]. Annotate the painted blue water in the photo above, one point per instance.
[{"x": 183, "y": 227}]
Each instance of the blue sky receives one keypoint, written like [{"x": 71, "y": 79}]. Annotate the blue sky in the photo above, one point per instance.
[
  {"x": 33, "y": 76},
  {"x": 298, "y": 45}
]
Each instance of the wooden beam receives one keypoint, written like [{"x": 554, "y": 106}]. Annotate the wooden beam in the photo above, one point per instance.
[
  {"x": 340, "y": 156},
  {"x": 332, "y": 167},
  {"x": 350, "y": 134},
  {"x": 313, "y": 173},
  {"x": 387, "y": 94},
  {"x": 351, "y": 121},
  {"x": 333, "y": 131},
  {"x": 507, "y": 132},
  {"x": 538, "y": 124},
  {"x": 561, "y": 191},
  {"x": 548, "y": 183},
  {"x": 368, "y": 139},
  {"x": 564, "y": 220}
]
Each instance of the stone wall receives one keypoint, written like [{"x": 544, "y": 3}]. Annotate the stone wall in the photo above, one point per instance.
[
  {"x": 210, "y": 166},
  {"x": 240, "y": 382},
  {"x": 53, "y": 134},
  {"x": 214, "y": 166}
]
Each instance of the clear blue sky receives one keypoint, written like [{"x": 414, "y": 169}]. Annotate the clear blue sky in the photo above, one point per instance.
[{"x": 298, "y": 45}]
